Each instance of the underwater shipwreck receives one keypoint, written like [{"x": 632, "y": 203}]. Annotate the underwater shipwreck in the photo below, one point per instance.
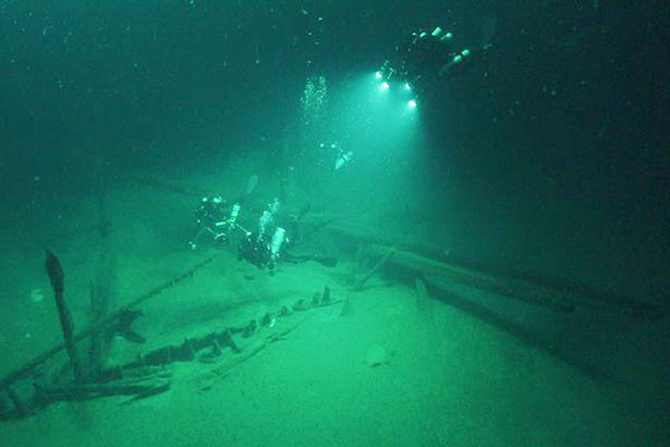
[{"x": 80, "y": 367}]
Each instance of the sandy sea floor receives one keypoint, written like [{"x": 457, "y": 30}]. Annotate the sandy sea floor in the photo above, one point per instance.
[{"x": 445, "y": 378}]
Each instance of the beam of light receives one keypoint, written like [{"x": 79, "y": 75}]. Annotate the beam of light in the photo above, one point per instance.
[
  {"x": 407, "y": 86},
  {"x": 378, "y": 75},
  {"x": 384, "y": 86},
  {"x": 411, "y": 104}
]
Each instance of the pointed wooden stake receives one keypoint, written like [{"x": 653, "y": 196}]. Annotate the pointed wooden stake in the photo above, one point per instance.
[{"x": 56, "y": 275}]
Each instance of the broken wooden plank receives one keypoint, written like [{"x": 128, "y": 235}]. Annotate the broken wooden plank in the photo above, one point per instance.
[
  {"x": 383, "y": 258},
  {"x": 87, "y": 391}
]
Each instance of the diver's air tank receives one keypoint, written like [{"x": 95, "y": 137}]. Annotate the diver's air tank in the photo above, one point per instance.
[
  {"x": 234, "y": 212},
  {"x": 277, "y": 240}
]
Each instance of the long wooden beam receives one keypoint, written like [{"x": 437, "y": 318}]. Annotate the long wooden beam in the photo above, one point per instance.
[
  {"x": 534, "y": 288},
  {"x": 505, "y": 287}
]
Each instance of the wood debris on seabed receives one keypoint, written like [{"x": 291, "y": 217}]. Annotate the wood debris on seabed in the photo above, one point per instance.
[
  {"x": 537, "y": 289},
  {"x": 215, "y": 354},
  {"x": 439, "y": 276}
]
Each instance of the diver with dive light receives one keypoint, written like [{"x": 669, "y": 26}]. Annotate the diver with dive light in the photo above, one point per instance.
[
  {"x": 214, "y": 219},
  {"x": 427, "y": 57}
]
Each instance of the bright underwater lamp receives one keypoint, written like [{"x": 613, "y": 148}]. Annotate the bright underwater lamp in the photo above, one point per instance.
[{"x": 386, "y": 83}]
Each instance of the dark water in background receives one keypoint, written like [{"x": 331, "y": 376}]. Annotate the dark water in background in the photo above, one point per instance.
[{"x": 553, "y": 150}]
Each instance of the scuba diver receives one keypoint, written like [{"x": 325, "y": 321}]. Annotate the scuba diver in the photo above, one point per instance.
[
  {"x": 270, "y": 243},
  {"x": 216, "y": 219},
  {"x": 427, "y": 57},
  {"x": 213, "y": 219},
  {"x": 263, "y": 248}
]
